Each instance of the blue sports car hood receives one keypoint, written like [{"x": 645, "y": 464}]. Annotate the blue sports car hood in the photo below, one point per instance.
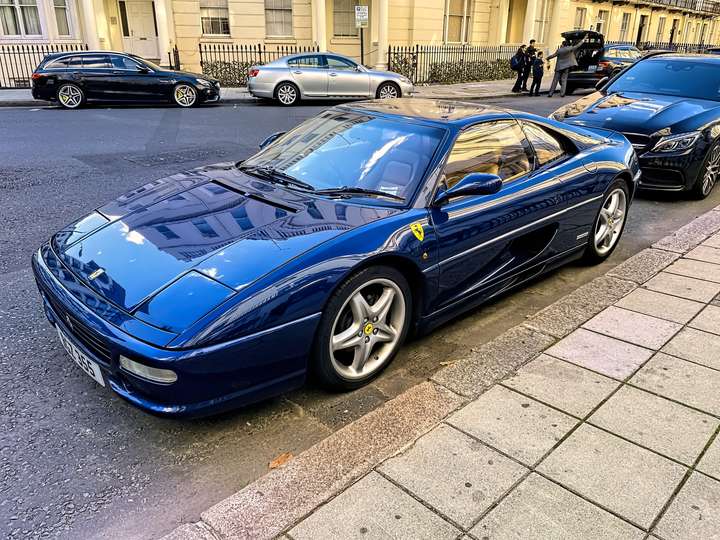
[
  {"x": 216, "y": 225},
  {"x": 634, "y": 112}
]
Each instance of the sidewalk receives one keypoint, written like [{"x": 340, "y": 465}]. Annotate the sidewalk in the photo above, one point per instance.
[
  {"x": 22, "y": 97},
  {"x": 597, "y": 418}
]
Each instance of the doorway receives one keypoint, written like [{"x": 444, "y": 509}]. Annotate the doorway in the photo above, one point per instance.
[{"x": 139, "y": 28}]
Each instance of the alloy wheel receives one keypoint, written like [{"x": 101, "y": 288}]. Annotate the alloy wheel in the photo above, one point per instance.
[
  {"x": 712, "y": 168},
  {"x": 367, "y": 329},
  {"x": 610, "y": 221},
  {"x": 287, "y": 95},
  {"x": 70, "y": 96},
  {"x": 185, "y": 95},
  {"x": 388, "y": 91}
]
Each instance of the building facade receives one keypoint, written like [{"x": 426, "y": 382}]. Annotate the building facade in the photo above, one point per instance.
[{"x": 152, "y": 28}]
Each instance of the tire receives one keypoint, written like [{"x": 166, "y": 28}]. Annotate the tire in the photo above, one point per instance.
[
  {"x": 569, "y": 89},
  {"x": 388, "y": 90},
  {"x": 709, "y": 173},
  {"x": 368, "y": 317},
  {"x": 70, "y": 96},
  {"x": 185, "y": 95},
  {"x": 287, "y": 94},
  {"x": 609, "y": 223}
]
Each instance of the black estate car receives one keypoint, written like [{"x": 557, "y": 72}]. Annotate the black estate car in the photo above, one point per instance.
[
  {"x": 668, "y": 106},
  {"x": 73, "y": 78}
]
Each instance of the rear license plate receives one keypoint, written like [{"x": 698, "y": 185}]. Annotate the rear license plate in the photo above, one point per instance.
[
  {"x": 592, "y": 68},
  {"x": 81, "y": 359}
]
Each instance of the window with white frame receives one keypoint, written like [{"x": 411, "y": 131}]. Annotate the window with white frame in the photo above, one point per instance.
[
  {"x": 602, "y": 20},
  {"x": 457, "y": 21},
  {"x": 580, "y": 14},
  {"x": 344, "y": 18},
  {"x": 278, "y": 18},
  {"x": 661, "y": 29},
  {"x": 214, "y": 17},
  {"x": 624, "y": 26},
  {"x": 19, "y": 18},
  {"x": 703, "y": 33},
  {"x": 62, "y": 17}
]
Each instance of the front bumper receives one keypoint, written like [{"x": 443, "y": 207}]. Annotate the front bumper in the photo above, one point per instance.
[
  {"x": 670, "y": 173},
  {"x": 210, "y": 380}
]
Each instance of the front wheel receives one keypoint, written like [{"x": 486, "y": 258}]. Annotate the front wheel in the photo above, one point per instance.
[
  {"x": 185, "y": 95},
  {"x": 70, "y": 96},
  {"x": 363, "y": 326},
  {"x": 609, "y": 223},
  {"x": 388, "y": 90},
  {"x": 709, "y": 171}
]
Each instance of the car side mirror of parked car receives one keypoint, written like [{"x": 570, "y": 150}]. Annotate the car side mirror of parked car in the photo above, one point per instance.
[
  {"x": 601, "y": 83},
  {"x": 472, "y": 184},
  {"x": 272, "y": 138}
]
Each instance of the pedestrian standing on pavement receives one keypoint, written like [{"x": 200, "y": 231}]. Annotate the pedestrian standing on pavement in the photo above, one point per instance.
[
  {"x": 530, "y": 53},
  {"x": 538, "y": 69},
  {"x": 517, "y": 64},
  {"x": 565, "y": 60}
]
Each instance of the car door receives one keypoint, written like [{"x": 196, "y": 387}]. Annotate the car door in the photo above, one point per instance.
[
  {"x": 310, "y": 73},
  {"x": 135, "y": 81},
  {"x": 345, "y": 78},
  {"x": 95, "y": 75},
  {"x": 489, "y": 242}
]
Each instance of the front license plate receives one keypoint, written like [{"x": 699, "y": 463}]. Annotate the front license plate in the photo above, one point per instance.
[{"x": 81, "y": 359}]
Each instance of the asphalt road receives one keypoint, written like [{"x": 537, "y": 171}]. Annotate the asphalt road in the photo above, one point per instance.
[{"x": 77, "y": 462}]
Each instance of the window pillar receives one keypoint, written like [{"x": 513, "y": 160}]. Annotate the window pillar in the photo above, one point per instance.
[{"x": 383, "y": 16}]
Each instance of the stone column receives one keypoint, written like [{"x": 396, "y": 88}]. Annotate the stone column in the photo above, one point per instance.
[
  {"x": 89, "y": 24},
  {"x": 499, "y": 30},
  {"x": 165, "y": 29},
  {"x": 529, "y": 24},
  {"x": 320, "y": 17},
  {"x": 560, "y": 7},
  {"x": 382, "y": 40}
]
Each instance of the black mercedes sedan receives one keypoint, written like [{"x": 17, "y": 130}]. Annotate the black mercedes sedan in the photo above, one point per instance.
[
  {"x": 668, "y": 106},
  {"x": 75, "y": 78}
]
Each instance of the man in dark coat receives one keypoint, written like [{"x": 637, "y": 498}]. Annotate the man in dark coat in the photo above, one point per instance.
[
  {"x": 530, "y": 52},
  {"x": 565, "y": 60}
]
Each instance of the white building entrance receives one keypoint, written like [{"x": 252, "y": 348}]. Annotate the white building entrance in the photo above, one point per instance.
[{"x": 139, "y": 28}]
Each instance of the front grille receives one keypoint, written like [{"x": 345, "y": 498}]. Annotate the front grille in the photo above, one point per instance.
[
  {"x": 639, "y": 141},
  {"x": 80, "y": 331}
]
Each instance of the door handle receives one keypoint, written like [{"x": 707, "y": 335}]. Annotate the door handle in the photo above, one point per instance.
[
  {"x": 333, "y": 74},
  {"x": 297, "y": 72}
]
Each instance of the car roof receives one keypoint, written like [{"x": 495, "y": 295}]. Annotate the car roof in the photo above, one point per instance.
[
  {"x": 442, "y": 111},
  {"x": 695, "y": 57},
  {"x": 625, "y": 46}
]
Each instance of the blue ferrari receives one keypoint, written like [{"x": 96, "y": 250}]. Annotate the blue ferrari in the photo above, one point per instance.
[{"x": 320, "y": 254}]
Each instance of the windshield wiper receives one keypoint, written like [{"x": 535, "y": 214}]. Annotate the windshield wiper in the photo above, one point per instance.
[
  {"x": 349, "y": 191},
  {"x": 275, "y": 175}
]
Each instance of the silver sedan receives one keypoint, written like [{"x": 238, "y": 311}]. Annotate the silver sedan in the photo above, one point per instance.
[{"x": 323, "y": 76}]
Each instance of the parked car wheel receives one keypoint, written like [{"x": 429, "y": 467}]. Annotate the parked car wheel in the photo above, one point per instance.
[
  {"x": 609, "y": 223},
  {"x": 569, "y": 89},
  {"x": 287, "y": 94},
  {"x": 388, "y": 90},
  {"x": 70, "y": 96},
  {"x": 708, "y": 175},
  {"x": 363, "y": 326},
  {"x": 185, "y": 95}
]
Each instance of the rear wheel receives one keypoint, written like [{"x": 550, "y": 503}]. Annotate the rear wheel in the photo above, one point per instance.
[
  {"x": 287, "y": 94},
  {"x": 569, "y": 89},
  {"x": 708, "y": 175},
  {"x": 363, "y": 326},
  {"x": 70, "y": 96},
  {"x": 609, "y": 223},
  {"x": 388, "y": 90},
  {"x": 185, "y": 95}
]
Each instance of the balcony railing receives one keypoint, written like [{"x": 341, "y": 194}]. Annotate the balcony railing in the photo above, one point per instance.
[{"x": 709, "y": 7}]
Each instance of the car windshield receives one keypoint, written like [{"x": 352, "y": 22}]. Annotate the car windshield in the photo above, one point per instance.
[
  {"x": 673, "y": 77},
  {"x": 354, "y": 152}
]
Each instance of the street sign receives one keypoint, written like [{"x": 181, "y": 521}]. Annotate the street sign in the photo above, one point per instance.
[{"x": 362, "y": 16}]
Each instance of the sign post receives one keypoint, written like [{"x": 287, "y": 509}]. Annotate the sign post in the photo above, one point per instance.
[{"x": 361, "y": 21}]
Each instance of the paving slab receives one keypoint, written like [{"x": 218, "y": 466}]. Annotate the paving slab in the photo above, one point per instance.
[
  {"x": 570, "y": 388},
  {"x": 514, "y": 424},
  {"x": 713, "y": 241},
  {"x": 708, "y": 320},
  {"x": 705, "y": 253},
  {"x": 663, "y": 306},
  {"x": 604, "y": 354},
  {"x": 695, "y": 269},
  {"x": 644, "y": 265},
  {"x": 685, "y": 287},
  {"x": 696, "y": 346},
  {"x": 539, "y": 509},
  {"x": 710, "y": 462},
  {"x": 667, "y": 427},
  {"x": 493, "y": 361},
  {"x": 454, "y": 473},
  {"x": 688, "y": 383},
  {"x": 620, "y": 476},
  {"x": 373, "y": 508},
  {"x": 634, "y": 327},
  {"x": 565, "y": 315},
  {"x": 695, "y": 512},
  {"x": 191, "y": 531}
]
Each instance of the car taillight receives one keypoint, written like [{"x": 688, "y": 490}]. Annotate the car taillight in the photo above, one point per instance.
[
  {"x": 604, "y": 66},
  {"x": 253, "y": 72},
  {"x": 37, "y": 76}
]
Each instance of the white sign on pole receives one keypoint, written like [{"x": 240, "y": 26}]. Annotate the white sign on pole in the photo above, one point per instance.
[{"x": 362, "y": 16}]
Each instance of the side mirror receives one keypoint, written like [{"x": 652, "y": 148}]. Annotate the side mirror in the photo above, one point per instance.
[
  {"x": 601, "y": 83},
  {"x": 472, "y": 184},
  {"x": 271, "y": 139}
]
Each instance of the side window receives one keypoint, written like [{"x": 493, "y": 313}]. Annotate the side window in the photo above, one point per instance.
[
  {"x": 95, "y": 61},
  {"x": 547, "y": 147},
  {"x": 336, "y": 63},
  {"x": 493, "y": 147},
  {"x": 123, "y": 62},
  {"x": 66, "y": 62},
  {"x": 306, "y": 62}
]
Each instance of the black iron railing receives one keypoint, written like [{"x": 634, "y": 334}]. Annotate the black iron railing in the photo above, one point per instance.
[
  {"x": 174, "y": 58},
  {"x": 451, "y": 63},
  {"x": 711, "y": 7},
  {"x": 666, "y": 46},
  {"x": 17, "y": 62},
  {"x": 229, "y": 63}
]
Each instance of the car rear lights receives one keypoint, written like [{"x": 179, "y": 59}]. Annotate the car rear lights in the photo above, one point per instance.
[
  {"x": 253, "y": 72},
  {"x": 36, "y": 76},
  {"x": 157, "y": 375},
  {"x": 604, "y": 67}
]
